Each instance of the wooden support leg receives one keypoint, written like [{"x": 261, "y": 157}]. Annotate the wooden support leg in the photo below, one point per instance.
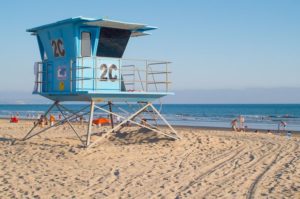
[{"x": 89, "y": 132}]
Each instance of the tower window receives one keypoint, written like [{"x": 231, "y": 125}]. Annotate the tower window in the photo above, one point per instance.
[
  {"x": 112, "y": 42},
  {"x": 85, "y": 44}
]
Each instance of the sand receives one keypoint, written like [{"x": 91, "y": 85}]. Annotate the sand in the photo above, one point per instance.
[{"x": 140, "y": 164}]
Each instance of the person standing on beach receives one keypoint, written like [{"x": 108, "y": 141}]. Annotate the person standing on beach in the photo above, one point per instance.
[
  {"x": 81, "y": 120},
  {"x": 41, "y": 121},
  {"x": 234, "y": 124},
  {"x": 52, "y": 120},
  {"x": 242, "y": 123},
  {"x": 118, "y": 120}
]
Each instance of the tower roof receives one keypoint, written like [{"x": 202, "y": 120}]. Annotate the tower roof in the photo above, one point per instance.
[{"x": 136, "y": 28}]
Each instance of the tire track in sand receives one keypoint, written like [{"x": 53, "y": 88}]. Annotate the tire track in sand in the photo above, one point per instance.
[
  {"x": 219, "y": 166},
  {"x": 238, "y": 174},
  {"x": 208, "y": 172},
  {"x": 253, "y": 187},
  {"x": 240, "y": 149},
  {"x": 153, "y": 182}
]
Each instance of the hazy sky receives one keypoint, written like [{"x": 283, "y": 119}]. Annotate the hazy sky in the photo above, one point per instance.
[{"x": 212, "y": 44}]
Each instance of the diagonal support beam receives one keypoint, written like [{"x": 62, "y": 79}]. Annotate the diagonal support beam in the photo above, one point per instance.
[
  {"x": 165, "y": 121},
  {"x": 71, "y": 111},
  {"x": 68, "y": 121},
  {"x": 119, "y": 125},
  {"x": 153, "y": 128},
  {"x": 56, "y": 124},
  {"x": 87, "y": 143},
  {"x": 130, "y": 118},
  {"x": 45, "y": 114}
]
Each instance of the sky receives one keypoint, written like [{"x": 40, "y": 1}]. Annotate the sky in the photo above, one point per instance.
[{"x": 213, "y": 45}]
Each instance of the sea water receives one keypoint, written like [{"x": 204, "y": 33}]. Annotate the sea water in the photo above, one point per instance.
[{"x": 257, "y": 116}]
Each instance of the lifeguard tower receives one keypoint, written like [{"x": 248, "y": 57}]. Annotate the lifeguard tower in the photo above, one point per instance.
[{"x": 81, "y": 60}]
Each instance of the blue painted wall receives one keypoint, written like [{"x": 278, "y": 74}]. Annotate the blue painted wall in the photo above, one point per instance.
[
  {"x": 60, "y": 48},
  {"x": 56, "y": 69}
]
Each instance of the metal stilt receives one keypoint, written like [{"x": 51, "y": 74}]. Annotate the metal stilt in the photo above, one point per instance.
[
  {"x": 110, "y": 115},
  {"x": 165, "y": 121},
  {"x": 120, "y": 124},
  {"x": 88, "y": 138},
  {"x": 37, "y": 123},
  {"x": 131, "y": 118},
  {"x": 57, "y": 123},
  {"x": 58, "y": 107}
]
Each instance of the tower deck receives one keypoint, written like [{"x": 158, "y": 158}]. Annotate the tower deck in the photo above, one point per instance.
[{"x": 132, "y": 80}]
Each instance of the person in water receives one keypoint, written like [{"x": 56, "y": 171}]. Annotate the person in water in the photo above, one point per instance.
[{"x": 281, "y": 126}]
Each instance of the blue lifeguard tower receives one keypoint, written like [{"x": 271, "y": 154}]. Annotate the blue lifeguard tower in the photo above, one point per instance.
[{"x": 82, "y": 60}]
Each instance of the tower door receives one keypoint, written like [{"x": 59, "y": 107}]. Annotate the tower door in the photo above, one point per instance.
[{"x": 86, "y": 61}]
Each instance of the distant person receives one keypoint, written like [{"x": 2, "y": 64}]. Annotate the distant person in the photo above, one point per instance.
[
  {"x": 242, "y": 123},
  {"x": 52, "y": 120},
  {"x": 14, "y": 119},
  {"x": 118, "y": 120},
  {"x": 46, "y": 121},
  {"x": 81, "y": 120},
  {"x": 41, "y": 121},
  {"x": 234, "y": 124},
  {"x": 281, "y": 126},
  {"x": 144, "y": 121}
]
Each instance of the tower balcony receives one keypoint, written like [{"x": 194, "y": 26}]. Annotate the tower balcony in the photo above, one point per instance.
[{"x": 104, "y": 78}]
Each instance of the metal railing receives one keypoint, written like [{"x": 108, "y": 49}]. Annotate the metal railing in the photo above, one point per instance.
[
  {"x": 42, "y": 82},
  {"x": 133, "y": 75},
  {"x": 136, "y": 75}
]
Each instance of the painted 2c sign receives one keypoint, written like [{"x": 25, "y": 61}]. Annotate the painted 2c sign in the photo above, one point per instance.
[
  {"x": 108, "y": 70},
  {"x": 58, "y": 48}
]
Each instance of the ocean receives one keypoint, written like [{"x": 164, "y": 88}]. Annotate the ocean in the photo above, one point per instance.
[{"x": 257, "y": 116}]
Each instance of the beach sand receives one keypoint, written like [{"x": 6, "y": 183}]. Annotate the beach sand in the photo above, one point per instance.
[{"x": 139, "y": 164}]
